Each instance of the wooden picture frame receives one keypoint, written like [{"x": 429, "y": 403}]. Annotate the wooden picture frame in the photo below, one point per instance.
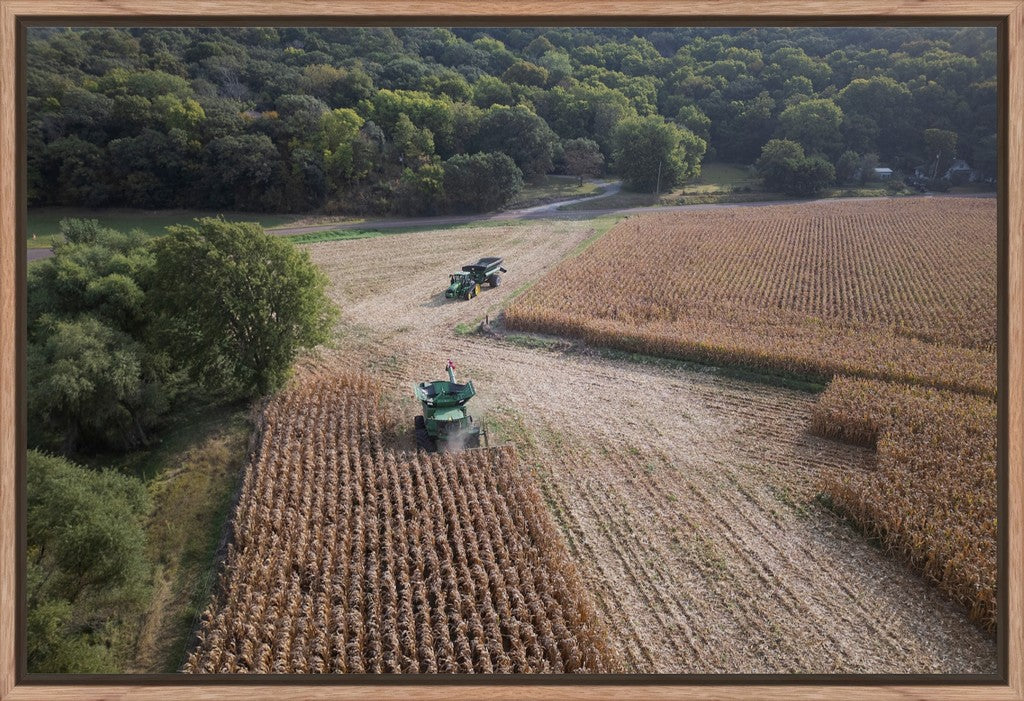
[{"x": 1008, "y": 15}]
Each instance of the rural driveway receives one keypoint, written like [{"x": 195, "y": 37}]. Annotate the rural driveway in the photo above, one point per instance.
[
  {"x": 552, "y": 210},
  {"x": 39, "y": 253}
]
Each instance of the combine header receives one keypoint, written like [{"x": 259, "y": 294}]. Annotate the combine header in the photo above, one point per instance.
[{"x": 446, "y": 425}]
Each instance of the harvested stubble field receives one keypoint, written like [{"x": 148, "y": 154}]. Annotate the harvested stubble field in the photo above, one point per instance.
[
  {"x": 900, "y": 290},
  {"x": 898, "y": 293},
  {"x": 687, "y": 498},
  {"x": 351, "y": 557}
]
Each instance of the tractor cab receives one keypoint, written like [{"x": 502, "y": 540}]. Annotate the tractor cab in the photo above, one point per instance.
[{"x": 457, "y": 278}]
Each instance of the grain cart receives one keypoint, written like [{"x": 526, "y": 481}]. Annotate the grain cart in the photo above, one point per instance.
[
  {"x": 445, "y": 424},
  {"x": 466, "y": 283}
]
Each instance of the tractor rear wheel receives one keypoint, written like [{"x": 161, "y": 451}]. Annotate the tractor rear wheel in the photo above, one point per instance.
[
  {"x": 423, "y": 440},
  {"x": 494, "y": 280}
]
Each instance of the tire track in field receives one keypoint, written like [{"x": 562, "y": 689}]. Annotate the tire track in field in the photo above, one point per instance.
[
  {"x": 824, "y": 569},
  {"x": 749, "y": 619},
  {"x": 620, "y": 528},
  {"x": 594, "y": 569},
  {"x": 607, "y": 523}
]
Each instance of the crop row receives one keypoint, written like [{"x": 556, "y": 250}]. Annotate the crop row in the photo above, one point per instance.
[
  {"x": 932, "y": 497},
  {"x": 893, "y": 299},
  {"x": 893, "y": 290},
  {"x": 351, "y": 557}
]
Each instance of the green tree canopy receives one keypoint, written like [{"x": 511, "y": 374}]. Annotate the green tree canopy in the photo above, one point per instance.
[
  {"x": 785, "y": 168},
  {"x": 488, "y": 90},
  {"x": 96, "y": 378},
  {"x": 692, "y": 118},
  {"x": 86, "y": 561},
  {"x": 940, "y": 150},
  {"x": 582, "y": 158},
  {"x": 226, "y": 119},
  {"x": 481, "y": 181},
  {"x": 338, "y": 131},
  {"x": 880, "y": 108},
  {"x": 237, "y": 304},
  {"x": 648, "y": 152},
  {"x": 847, "y": 166},
  {"x": 814, "y": 124},
  {"x": 520, "y": 134},
  {"x": 526, "y": 73},
  {"x": 411, "y": 145},
  {"x": 773, "y": 165},
  {"x": 90, "y": 384},
  {"x": 337, "y": 86},
  {"x": 421, "y": 191},
  {"x": 585, "y": 111}
]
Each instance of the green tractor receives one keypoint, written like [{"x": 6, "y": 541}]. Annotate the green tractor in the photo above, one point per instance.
[
  {"x": 466, "y": 283},
  {"x": 446, "y": 425}
]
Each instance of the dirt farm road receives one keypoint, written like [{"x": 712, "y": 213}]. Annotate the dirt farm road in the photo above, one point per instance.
[
  {"x": 539, "y": 211},
  {"x": 552, "y": 210},
  {"x": 687, "y": 499}
]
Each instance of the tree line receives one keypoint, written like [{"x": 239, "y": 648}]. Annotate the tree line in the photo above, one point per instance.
[
  {"x": 123, "y": 330},
  {"x": 423, "y": 120}
]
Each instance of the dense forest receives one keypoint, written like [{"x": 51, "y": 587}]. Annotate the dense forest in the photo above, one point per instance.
[{"x": 419, "y": 120}]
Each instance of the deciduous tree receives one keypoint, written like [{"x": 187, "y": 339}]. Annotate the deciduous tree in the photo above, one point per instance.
[
  {"x": 649, "y": 152},
  {"x": 237, "y": 304},
  {"x": 582, "y": 158}
]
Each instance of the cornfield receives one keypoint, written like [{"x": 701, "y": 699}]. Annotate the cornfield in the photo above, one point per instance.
[
  {"x": 348, "y": 556},
  {"x": 900, "y": 290},
  {"x": 932, "y": 497},
  {"x": 893, "y": 299}
]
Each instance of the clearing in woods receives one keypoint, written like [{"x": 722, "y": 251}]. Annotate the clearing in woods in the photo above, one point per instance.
[{"x": 687, "y": 499}]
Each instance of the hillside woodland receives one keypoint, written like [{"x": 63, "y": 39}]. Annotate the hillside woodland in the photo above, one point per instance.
[{"x": 411, "y": 120}]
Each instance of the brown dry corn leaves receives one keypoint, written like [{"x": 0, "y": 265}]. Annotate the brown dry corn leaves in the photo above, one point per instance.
[
  {"x": 351, "y": 557},
  {"x": 899, "y": 290},
  {"x": 932, "y": 497},
  {"x": 900, "y": 293}
]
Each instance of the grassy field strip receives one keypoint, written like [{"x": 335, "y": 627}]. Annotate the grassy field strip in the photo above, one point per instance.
[
  {"x": 192, "y": 477},
  {"x": 43, "y": 225}
]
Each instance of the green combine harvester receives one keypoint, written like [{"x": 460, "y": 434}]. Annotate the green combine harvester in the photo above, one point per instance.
[
  {"x": 466, "y": 283},
  {"x": 446, "y": 425}
]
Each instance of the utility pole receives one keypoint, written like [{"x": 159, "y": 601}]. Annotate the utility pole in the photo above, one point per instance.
[{"x": 658, "y": 189}]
